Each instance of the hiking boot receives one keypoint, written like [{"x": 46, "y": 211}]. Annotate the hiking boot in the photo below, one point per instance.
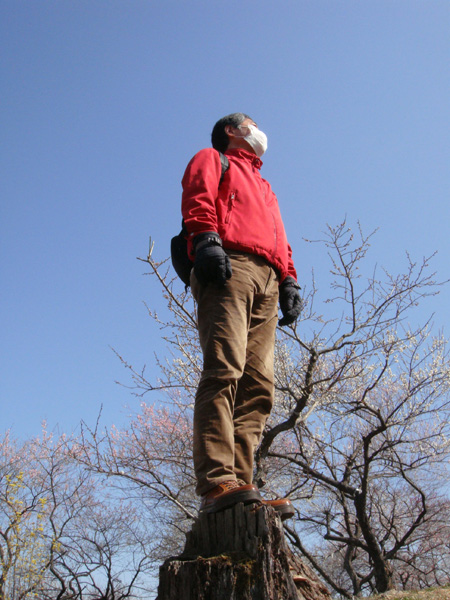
[
  {"x": 227, "y": 494},
  {"x": 283, "y": 506}
]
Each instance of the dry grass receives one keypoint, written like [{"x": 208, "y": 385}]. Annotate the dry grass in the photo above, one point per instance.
[{"x": 430, "y": 594}]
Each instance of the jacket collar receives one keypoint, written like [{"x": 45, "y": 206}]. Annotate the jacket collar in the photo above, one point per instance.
[{"x": 245, "y": 155}]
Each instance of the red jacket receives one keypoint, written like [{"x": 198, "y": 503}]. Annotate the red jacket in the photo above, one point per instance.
[{"x": 243, "y": 210}]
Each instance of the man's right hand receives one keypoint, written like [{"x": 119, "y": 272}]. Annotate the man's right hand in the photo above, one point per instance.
[{"x": 211, "y": 264}]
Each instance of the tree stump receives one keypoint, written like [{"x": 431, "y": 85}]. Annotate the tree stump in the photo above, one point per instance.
[{"x": 238, "y": 554}]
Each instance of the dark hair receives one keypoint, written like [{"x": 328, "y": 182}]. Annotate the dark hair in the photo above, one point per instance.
[{"x": 219, "y": 138}]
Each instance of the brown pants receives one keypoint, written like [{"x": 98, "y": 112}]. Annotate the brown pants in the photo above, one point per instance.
[{"x": 236, "y": 327}]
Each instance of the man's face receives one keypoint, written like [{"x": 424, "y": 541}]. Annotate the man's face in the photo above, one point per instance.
[
  {"x": 236, "y": 135},
  {"x": 243, "y": 126}
]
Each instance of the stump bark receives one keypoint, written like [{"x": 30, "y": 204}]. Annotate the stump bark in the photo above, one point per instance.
[{"x": 238, "y": 554}]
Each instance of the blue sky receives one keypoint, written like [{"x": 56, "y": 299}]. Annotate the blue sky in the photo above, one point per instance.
[{"x": 103, "y": 104}]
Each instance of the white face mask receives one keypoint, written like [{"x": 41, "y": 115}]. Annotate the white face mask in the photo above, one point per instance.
[{"x": 257, "y": 139}]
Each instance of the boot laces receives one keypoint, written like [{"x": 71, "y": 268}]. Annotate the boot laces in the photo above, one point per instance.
[{"x": 230, "y": 485}]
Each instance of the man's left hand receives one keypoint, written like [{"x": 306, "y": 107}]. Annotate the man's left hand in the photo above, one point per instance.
[{"x": 290, "y": 301}]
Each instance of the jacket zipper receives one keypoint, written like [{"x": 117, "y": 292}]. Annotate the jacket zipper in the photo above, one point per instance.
[
  {"x": 275, "y": 235},
  {"x": 275, "y": 232}
]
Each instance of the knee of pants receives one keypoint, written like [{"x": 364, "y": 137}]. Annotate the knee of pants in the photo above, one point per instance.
[{"x": 227, "y": 375}]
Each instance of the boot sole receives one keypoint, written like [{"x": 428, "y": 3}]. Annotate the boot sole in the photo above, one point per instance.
[
  {"x": 285, "y": 512},
  {"x": 246, "y": 497}
]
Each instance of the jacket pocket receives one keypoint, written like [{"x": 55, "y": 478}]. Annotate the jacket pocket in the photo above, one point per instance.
[{"x": 230, "y": 206}]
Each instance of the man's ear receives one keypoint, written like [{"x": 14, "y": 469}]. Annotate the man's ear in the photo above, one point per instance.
[{"x": 229, "y": 130}]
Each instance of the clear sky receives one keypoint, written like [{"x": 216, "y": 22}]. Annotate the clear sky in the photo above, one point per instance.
[{"x": 104, "y": 102}]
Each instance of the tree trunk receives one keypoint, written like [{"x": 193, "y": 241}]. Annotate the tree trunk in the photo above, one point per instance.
[
  {"x": 238, "y": 554},
  {"x": 381, "y": 568}
]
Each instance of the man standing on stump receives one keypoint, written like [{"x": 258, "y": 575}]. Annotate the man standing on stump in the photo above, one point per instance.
[{"x": 242, "y": 267}]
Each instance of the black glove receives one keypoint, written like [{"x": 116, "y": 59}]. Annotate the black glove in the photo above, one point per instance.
[
  {"x": 211, "y": 264},
  {"x": 290, "y": 301}
]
